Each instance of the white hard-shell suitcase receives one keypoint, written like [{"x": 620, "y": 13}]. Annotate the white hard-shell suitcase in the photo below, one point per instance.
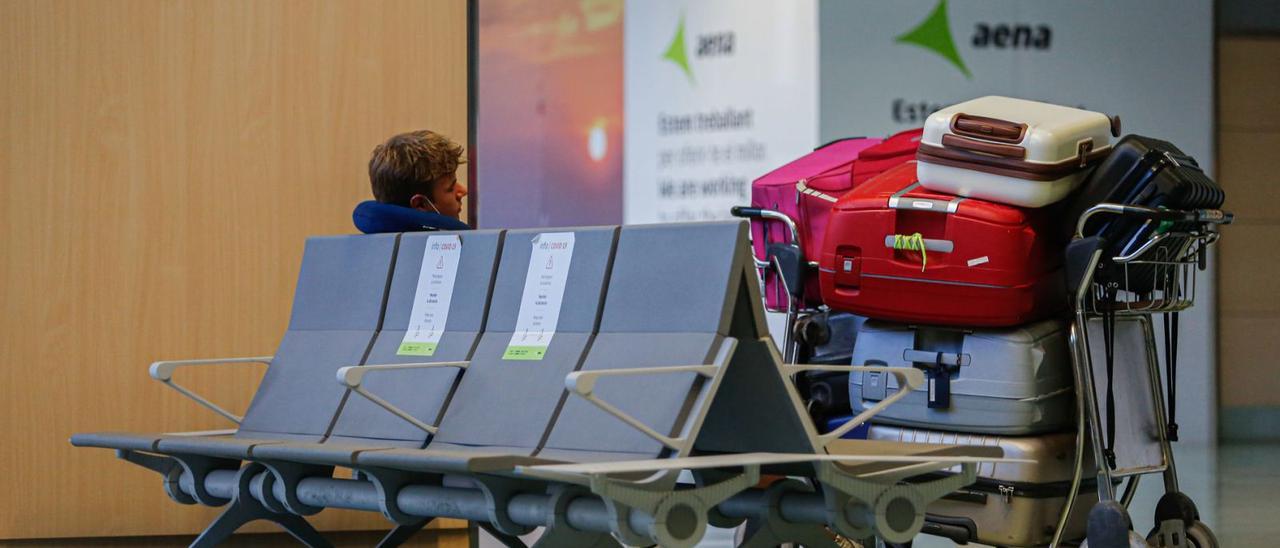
[
  {"x": 1011, "y": 504},
  {"x": 1009, "y": 381},
  {"x": 1012, "y": 151}
]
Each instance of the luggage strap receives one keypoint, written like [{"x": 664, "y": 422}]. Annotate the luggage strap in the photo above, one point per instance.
[
  {"x": 912, "y": 242},
  {"x": 1109, "y": 340},
  {"x": 1171, "y": 372}
]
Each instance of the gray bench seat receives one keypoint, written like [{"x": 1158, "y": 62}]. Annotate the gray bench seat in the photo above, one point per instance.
[
  {"x": 501, "y": 406},
  {"x": 336, "y": 311}
]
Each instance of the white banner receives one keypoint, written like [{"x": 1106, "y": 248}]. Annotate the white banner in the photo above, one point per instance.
[{"x": 717, "y": 93}]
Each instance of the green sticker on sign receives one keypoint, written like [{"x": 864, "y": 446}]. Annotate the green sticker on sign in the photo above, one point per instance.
[
  {"x": 524, "y": 353},
  {"x": 416, "y": 349},
  {"x": 431, "y": 301},
  {"x": 543, "y": 293}
]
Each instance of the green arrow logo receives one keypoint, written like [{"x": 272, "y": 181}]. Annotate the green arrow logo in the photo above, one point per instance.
[
  {"x": 676, "y": 52},
  {"x": 934, "y": 34}
]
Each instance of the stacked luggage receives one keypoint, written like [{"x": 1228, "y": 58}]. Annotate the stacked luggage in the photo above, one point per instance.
[
  {"x": 959, "y": 259},
  {"x": 790, "y": 209}
]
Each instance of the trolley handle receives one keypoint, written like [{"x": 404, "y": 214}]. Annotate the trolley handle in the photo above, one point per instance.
[
  {"x": 1204, "y": 216},
  {"x": 762, "y": 213}
]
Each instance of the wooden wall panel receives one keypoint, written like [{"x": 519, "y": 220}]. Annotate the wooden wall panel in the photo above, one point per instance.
[
  {"x": 161, "y": 163},
  {"x": 1248, "y": 164}
]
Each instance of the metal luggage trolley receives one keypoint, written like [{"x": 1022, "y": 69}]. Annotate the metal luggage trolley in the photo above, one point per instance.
[
  {"x": 813, "y": 335},
  {"x": 1118, "y": 296},
  {"x": 788, "y": 262}
]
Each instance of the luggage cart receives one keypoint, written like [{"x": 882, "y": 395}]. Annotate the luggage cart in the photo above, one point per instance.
[
  {"x": 788, "y": 262},
  {"x": 1164, "y": 265},
  {"x": 813, "y": 334}
]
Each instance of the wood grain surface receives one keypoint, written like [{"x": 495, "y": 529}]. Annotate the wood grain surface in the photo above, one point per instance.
[{"x": 161, "y": 163}]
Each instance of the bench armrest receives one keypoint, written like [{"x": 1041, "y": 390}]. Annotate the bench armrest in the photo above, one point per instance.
[
  {"x": 909, "y": 379},
  {"x": 583, "y": 383},
  {"x": 163, "y": 371},
  {"x": 352, "y": 377}
]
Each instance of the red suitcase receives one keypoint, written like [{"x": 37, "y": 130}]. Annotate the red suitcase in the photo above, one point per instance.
[
  {"x": 891, "y": 152},
  {"x": 983, "y": 263}
]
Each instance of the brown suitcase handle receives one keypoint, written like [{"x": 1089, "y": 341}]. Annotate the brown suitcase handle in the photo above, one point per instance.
[
  {"x": 974, "y": 145},
  {"x": 991, "y": 129}
]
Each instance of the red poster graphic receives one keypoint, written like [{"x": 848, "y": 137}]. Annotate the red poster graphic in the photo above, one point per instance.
[{"x": 549, "y": 113}]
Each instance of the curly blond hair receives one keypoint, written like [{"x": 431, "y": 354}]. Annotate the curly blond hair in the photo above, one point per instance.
[{"x": 409, "y": 163}]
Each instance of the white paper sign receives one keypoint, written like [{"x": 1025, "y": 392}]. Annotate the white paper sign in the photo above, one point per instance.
[
  {"x": 542, "y": 297},
  {"x": 435, "y": 292}
]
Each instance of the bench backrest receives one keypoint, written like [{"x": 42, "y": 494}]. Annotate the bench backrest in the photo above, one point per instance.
[
  {"x": 508, "y": 404},
  {"x": 423, "y": 393},
  {"x": 337, "y": 308},
  {"x": 677, "y": 293},
  {"x": 669, "y": 303}
]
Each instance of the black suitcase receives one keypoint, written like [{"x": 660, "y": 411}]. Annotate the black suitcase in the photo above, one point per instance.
[
  {"x": 1147, "y": 172},
  {"x": 826, "y": 339}
]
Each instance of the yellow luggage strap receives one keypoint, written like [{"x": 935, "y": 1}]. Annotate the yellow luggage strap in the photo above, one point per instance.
[{"x": 912, "y": 242}]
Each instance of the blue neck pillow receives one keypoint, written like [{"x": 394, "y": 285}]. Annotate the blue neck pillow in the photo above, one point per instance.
[{"x": 376, "y": 218}]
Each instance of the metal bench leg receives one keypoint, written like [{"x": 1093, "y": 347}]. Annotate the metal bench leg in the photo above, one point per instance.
[
  {"x": 401, "y": 533},
  {"x": 244, "y": 508},
  {"x": 773, "y": 530},
  {"x": 676, "y": 517},
  {"x": 558, "y": 531},
  {"x": 859, "y": 507},
  {"x": 510, "y": 541}
]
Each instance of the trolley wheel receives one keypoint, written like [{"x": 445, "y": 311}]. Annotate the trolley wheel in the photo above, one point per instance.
[
  {"x": 1176, "y": 516},
  {"x": 1109, "y": 527},
  {"x": 1197, "y": 535},
  {"x": 1201, "y": 536}
]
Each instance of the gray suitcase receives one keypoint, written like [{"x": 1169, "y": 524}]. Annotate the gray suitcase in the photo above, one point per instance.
[
  {"x": 1009, "y": 381},
  {"x": 1010, "y": 504}
]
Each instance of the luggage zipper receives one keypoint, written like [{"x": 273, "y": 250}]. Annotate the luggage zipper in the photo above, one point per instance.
[
  {"x": 802, "y": 188},
  {"x": 989, "y": 487}
]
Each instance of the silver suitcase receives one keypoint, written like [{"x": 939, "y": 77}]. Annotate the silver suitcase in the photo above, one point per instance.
[
  {"x": 1009, "y": 381},
  {"x": 1010, "y": 504}
]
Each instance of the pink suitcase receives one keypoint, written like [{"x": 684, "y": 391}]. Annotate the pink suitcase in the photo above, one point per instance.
[{"x": 804, "y": 190}]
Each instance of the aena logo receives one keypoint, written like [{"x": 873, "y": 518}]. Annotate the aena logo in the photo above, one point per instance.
[
  {"x": 934, "y": 34},
  {"x": 717, "y": 44}
]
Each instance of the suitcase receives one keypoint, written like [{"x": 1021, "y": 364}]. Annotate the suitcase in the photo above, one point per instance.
[
  {"x": 1010, "y": 504},
  {"x": 1012, "y": 151},
  {"x": 1014, "y": 381},
  {"x": 826, "y": 339},
  {"x": 1146, "y": 172},
  {"x": 896, "y": 149},
  {"x": 859, "y": 432},
  {"x": 803, "y": 190},
  {"x": 983, "y": 263}
]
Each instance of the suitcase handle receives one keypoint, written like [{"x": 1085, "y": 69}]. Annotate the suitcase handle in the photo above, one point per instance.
[
  {"x": 940, "y": 246},
  {"x": 991, "y": 129},
  {"x": 982, "y": 147},
  {"x": 834, "y": 141},
  {"x": 940, "y": 358}
]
